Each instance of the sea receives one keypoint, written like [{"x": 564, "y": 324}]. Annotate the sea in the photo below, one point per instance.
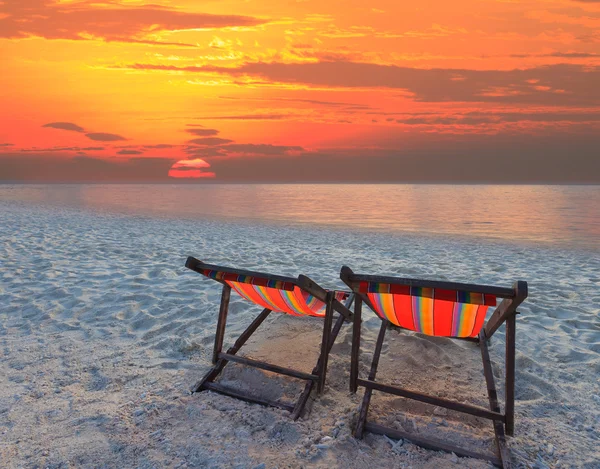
[{"x": 565, "y": 216}]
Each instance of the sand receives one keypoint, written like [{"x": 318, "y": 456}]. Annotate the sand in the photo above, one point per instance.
[{"x": 103, "y": 331}]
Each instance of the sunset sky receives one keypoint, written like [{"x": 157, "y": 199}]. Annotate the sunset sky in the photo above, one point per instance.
[{"x": 300, "y": 90}]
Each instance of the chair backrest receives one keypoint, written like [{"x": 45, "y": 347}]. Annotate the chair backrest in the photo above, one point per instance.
[
  {"x": 274, "y": 292},
  {"x": 434, "y": 308},
  {"x": 432, "y": 311}
]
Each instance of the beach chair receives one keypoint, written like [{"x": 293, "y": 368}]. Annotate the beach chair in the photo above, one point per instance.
[
  {"x": 446, "y": 309},
  {"x": 296, "y": 296}
]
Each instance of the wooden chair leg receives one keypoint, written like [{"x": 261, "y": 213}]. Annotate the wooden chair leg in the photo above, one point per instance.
[
  {"x": 225, "y": 295},
  {"x": 309, "y": 385},
  {"x": 364, "y": 408},
  {"x": 215, "y": 370},
  {"x": 355, "y": 344},
  {"x": 493, "y": 398},
  {"x": 509, "y": 407},
  {"x": 325, "y": 341}
]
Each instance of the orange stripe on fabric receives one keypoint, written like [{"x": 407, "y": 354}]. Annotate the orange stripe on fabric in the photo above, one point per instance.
[
  {"x": 318, "y": 308},
  {"x": 247, "y": 291},
  {"x": 262, "y": 291},
  {"x": 479, "y": 320},
  {"x": 443, "y": 317},
  {"x": 397, "y": 310},
  {"x": 467, "y": 320},
  {"x": 292, "y": 301},
  {"x": 426, "y": 304},
  {"x": 274, "y": 296},
  {"x": 387, "y": 305},
  {"x": 297, "y": 297}
]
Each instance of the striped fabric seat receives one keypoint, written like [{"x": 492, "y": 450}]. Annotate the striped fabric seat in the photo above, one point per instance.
[
  {"x": 431, "y": 311},
  {"x": 276, "y": 295}
]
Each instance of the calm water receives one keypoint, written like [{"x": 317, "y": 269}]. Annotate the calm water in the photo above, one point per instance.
[{"x": 560, "y": 215}]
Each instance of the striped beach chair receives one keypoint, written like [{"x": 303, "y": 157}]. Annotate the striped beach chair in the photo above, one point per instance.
[
  {"x": 295, "y": 296},
  {"x": 445, "y": 309}
]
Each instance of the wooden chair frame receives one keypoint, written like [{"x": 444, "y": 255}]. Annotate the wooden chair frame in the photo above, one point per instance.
[
  {"x": 505, "y": 312},
  {"x": 220, "y": 359}
]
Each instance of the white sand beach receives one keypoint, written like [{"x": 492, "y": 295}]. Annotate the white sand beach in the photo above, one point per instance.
[{"x": 103, "y": 331}]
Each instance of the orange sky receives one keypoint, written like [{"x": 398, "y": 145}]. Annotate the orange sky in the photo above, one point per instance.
[{"x": 298, "y": 90}]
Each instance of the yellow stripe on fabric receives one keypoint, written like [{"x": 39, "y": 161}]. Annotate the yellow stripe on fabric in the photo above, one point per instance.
[
  {"x": 426, "y": 314},
  {"x": 268, "y": 293},
  {"x": 468, "y": 315},
  {"x": 386, "y": 302},
  {"x": 240, "y": 289},
  {"x": 263, "y": 294},
  {"x": 306, "y": 307},
  {"x": 291, "y": 299}
]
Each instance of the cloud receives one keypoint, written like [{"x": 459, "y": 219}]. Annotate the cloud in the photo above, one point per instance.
[
  {"x": 501, "y": 158},
  {"x": 243, "y": 149},
  {"x": 205, "y": 151},
  {"x": 560, "y": 84},
  {"x": 97, "y": 136},
  {"x": 504, "y": 157},
  {"x": 246, "y": 117},
  {"x": 478, "y": 117},
  {"x": 159, "y": 146},
  {"x": 302, "y": 101},
  {"x": 564, "y": 55},
  {"x": 202, "y": 132},
  {"x": 55, "y": 149},
  {"x": 104, "y": 137},
  {"x": 573, "y": 55},
  {"x": 261, "y": 149},
  {"x": 65, "y": 126},
  {"x": 209, "y": 141},
  {"x": 59, "y": 167},
  {"x": 109, "y": 21},
  {"x": 129, "y": 152}
]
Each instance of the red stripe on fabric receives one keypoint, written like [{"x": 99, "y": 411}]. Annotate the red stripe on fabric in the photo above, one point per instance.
[
  {"x": 247, "y": 290},
  {"x": 275, "y": 296},
  {"x": 490, "y": 300},
  {"x": 400, "y": 289},
  {"x": 403, "y": 306},
  {"x": 341, "y": 295},
  {"x": 397, "y": 310},
  {"x": 301, "y": 297},
  {"x": 479, "y": 320},
  {"x": 443, "y": 316},
  {"x": 262, "y": 282},
  {"x": 446, "y": 295}
]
